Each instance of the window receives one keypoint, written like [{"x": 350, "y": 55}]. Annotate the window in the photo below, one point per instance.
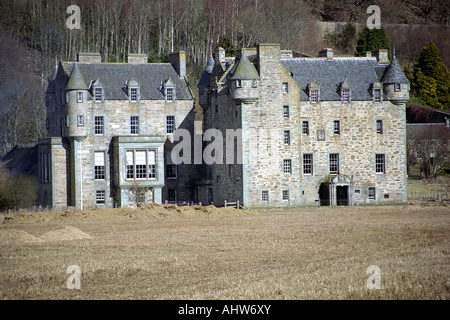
[
  {"x": 337, "y": 127},
  {"x": 265, "y": 196},
  {"x": 210, "y": 195},
  {"x": 238, "y": 83},
  {"x": 97, "y": 94},
  {"x": 79, "y": 97},
  {"x": 380, "y": 163},
  {"x": 305, "y": 127},
  {"x": 134, "y": 124},
  {"x": 287, "y": 137},
  {"x": 98, "y": 125},
  {"x": 285, "y": 195},
  {"x": 45, "y": 167},
  {"x": 346, "y": 96},
  {"x": 172, "y": 195},
  {"x": 99, "y": 165},
  {"x": 100, "y": 197},
  {"x": 377, "y": 95},
  {"x": 287, "y": 166},
  {"x": 169, "y": 94},
  {"x": 397, "y": 87},
  {"x": 380, "y": 126},
  {"x": 308, "y": 163},
  {"x": 171, "y": 171},
  {"x": 133, "y": 94},
  {"x": 314, "y": 95},
  {"x": 334, "y": 163},
  {"x": 371, "y": 194},
  {"x": 286, "y": 112},
  {"x": 80, "y": 121},
  {"x": 140, "y": 164},
  {"x": 170, "y": 124},
  {"x": 285, "y": 87},
  {"x": 47, "y": 123},
  {"x": 254, "y": 83}
]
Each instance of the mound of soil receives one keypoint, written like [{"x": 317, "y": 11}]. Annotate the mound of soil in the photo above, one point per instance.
[
  {"x": 17, "y": 236},
  {"x": 149, "y": 211},
  {"x": 66, "y": 233}
]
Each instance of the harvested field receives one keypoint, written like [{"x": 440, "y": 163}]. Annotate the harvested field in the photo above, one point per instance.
[{"x": 166, "y": 252}]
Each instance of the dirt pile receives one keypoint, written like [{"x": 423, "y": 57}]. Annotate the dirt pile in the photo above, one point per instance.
[
  {"x": 8, "y": 237},
  {"x": 66, "y": 233},
  {"x": 149, "y": 211}
]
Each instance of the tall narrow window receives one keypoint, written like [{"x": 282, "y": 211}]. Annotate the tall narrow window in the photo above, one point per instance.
[
  {"x": 141, "y": 164},
  {"x": 287, "y": 137},
  {"x": 377, "y": 95},
  {"x": 171, "y": 171},
  {"x": 334, "y": 163},
  {"x": 285, "y": 87},
  {"x": 286, "y": 112},
  {"x": 99, "y": 165},
  {"x": 79, "y": 97},
  {"x": 80, "y": 121},
  {"x": 371, "y": 194},
  {"x": 346, "y": 96},
  {"x": 336, "y": 127},
  {"x": 380, "y": 126},
  {"x": 169, "y": 94},
  {"x": 98, "y": 125},
  {"x": 134, "y": 124},
  {"x": 314, "y": 95},
  {"x": 151, "y": 164},
  {"x": 380, "y": 165},
  {"x": 397, "y": 87},
  {"x": 305, "y": 127},
  {"x": 265, "y": 196},
  {"x": 173, "y": 195},
  {"x": 133, "y": 94},
  {"x": 308, "y": 163},
  {"x": 287, "y": 166},
  {"x": 130, "y": 165},
  {"x": 97, "y": 94},
  {"x": 45, "y": 167},
  {"x": 170, "y": 124},
  {"x": 285, "y": 195}
]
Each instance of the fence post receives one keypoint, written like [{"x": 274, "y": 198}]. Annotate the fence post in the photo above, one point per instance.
[
  {"x": 225, "y": 203},
  {"x": 237, "y": 204}
]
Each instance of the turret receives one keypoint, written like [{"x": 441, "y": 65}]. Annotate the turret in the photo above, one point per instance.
[
  {"x": 76, "y": 97},
  {"x": 395, "y": 84},
  {"x": 245, "y": 81},
  {"x": 204, "y": 85}
]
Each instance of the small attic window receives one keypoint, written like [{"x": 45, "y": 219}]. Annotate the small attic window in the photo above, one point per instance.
[
  {"x": 345, "y": 96},
  {"x": 376, "y": 91},
  {"x": 169, "y": 94},
  {"x": 169, "y": 90},
  {"x": 254, "y": 83},
  {"x": 238, "y": 83},
  {"x": 133, "y": 90},
  {"x": 397, "y": 87},
  {"x": 314, "y": 92}
]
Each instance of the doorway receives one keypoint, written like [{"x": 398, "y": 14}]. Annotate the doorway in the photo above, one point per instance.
[
  {"x": 342, "y": 195},
  {"x": 324, "y": 194}
]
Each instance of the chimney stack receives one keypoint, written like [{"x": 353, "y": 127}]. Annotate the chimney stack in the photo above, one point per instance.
[
  {"x": 327, "y": 53},
  {"x": 382, "y": 56},
  {"x": 89, "y": 57},
  {"x": 178, "y": 62},
  {"x": 137, "y": 58}
]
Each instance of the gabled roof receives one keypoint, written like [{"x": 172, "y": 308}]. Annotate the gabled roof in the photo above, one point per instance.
[
  {"x": 22, "y": 161},
  {"x": 245, "y": 70},
  {"x": 394, "y": 73},
  {"x": 361, "y": 73},
  {"x": 114, "y": 76}
]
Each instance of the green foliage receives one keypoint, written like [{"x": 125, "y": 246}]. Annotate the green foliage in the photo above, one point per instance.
[
  {"x": 346, "y": 38},
  {"x": 371, "y": 40},
  {"x": 230, "y": 49},
  {"x": 431, "y": 80},
  {"x": 16, "y": 192}
]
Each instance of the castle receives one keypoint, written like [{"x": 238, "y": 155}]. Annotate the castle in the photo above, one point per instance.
[{"x": 306, "y": 131}]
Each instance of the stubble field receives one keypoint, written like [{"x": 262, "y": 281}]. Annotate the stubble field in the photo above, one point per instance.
[{"x": 159, "y": 252}]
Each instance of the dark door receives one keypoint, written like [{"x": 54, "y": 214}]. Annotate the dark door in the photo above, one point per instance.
[
  {"x": 324, "y": 194},
  {"x": 342, "y": 196}
]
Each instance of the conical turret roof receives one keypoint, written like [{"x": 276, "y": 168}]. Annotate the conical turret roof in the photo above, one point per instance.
[
  {"x": 245, "y": 70},
  {"x": 76, "y": 81},
  {"x": 394, "y": 73}
]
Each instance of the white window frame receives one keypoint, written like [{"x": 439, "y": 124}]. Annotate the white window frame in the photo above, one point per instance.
[
  {"x": 287, "y": 137},
  {"x": 379, "y": 125},
  {"x": 334, "y": 163},
  {"x": 314, "y": 95},
  {"x": 380, "y": 163},
  {"x": 170, "y": 94},
  {"x": 308, "y": 164},
  {"x": 99, "y": 165},
  {"x": 336, "y": 127},
  {"x": 134, "y": 125},
  {"x": 79, "y": 97},
  {"x": 287, "y": 166},
  {"x": 345, "y": 96},
  {"x": 98, "y": 94},
  {"x": 286, "y": 112},
  {"x": 80, "y": 121},
  {"x": 371, "y": 193},
  {"x": 140, "y": 171},
  {"x": 170, "y": 124},
  {"x": 305, "y": 128},
  {"x": 285, "y": 87},
  {"x": 99, "y": 125},
  {"x": 265, "y": 196},
  {"x": 285, "y": 195},
  {"x": 377, "y": 95},
  {"x": 100, "y": 197}
]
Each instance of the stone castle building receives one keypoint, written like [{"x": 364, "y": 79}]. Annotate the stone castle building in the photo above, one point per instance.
[
  {"x": 296, "y": 131},
  {"x": 328, "y": 130},
  {"x": 110, "y": 128}
]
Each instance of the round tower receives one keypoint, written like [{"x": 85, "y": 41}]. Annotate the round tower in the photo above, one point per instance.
[
  {"x": 395, "y": 84},
  {"x": 245, "y": 81},
  {"x": 76, "y": 100}
]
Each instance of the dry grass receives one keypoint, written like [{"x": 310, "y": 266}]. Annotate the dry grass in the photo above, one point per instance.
[{"x": 152, "y": 253}]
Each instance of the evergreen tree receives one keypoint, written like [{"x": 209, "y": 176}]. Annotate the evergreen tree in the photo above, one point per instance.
[
  {"x": 431, "y": 78},
  {"x": 371, "y": 40},
  {"x": 346, "y": 38}
]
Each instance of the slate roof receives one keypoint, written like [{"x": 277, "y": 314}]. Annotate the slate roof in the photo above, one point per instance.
[
  {"x": 114, "y": 76},
  {"x": 245, "y": 70},
  {"x": 22, "y": 161},
  {"x": 76, "y": 80},
  {"x": 361, "y": 73},
  {"x": 394, "y": 73},
  {"x": 206, "y": 76}
]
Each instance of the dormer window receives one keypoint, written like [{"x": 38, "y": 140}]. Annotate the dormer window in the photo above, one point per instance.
[
  {"x": 346, "y": 96},
  {"x": 254, "y": 83},
  {"x": 97, "y": 91},
  {"x": 314, "y": 93},
  {"x": 397, "y": 87},
  {"x": 98, "y": 94},
  {"x": 133, "y": 90},
  {"x": 169, "y": 90},
  {"x": 376, "y": 91}
]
